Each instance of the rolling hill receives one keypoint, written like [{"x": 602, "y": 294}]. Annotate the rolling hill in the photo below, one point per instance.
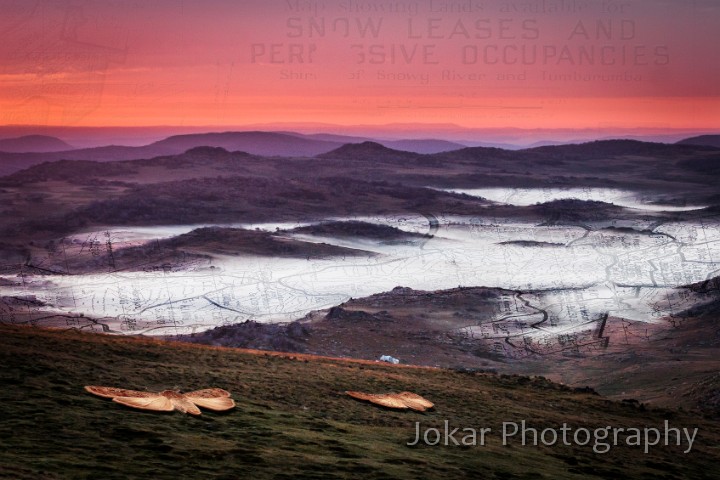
[
  {"x": 258, "y": 143},
  {"x": 293, "y": 419},
  {"x": 34, "y": 144},
  {"x": 368, "y": 151},
  {"x": 705, "y": 140}
]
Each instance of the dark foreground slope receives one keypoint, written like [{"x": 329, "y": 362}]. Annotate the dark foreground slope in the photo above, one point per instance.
[{"x": 293, "y": 421}]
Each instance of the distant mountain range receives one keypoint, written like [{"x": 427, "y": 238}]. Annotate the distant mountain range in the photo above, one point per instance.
[
  {"x": 259, "y": 143},
  {"x": 422, "y": 145},
  {"x": 501, "y": 137},
  {"x": 23, "y": 152}
]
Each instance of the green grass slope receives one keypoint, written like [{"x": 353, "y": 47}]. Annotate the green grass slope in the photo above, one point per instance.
[{"x": 293, "y": 421}]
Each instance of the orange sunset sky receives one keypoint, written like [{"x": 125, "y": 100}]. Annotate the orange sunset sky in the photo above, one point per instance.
[{"x": 485, "y": 63}]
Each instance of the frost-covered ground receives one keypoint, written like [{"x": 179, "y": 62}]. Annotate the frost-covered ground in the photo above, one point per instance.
[{"x": 581, "y": 274}]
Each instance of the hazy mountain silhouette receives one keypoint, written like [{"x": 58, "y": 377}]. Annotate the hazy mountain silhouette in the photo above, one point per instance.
[
  {"x": 424, "y": 145},
  {"x": 706, "y": 140},
  {"x": 602, "y": 148},
  {"x": 368, "y": 151},
  {"x": 33, "y": 143},
  {"x": 257, "y": 143},
  {"x": 271, "y": 144}
]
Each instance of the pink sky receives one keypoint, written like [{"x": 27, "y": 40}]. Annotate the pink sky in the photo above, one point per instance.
[{"x": 482, "y": 63}]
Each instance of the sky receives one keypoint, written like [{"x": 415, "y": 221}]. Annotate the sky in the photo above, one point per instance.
[{"x": 527, "y": 64}]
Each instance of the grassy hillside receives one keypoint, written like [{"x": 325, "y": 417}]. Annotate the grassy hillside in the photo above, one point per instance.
[{"x": 293, "y": 420}]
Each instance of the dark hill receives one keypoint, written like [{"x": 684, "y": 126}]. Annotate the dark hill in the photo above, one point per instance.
[
  {"x": 191, "y": 249},
  {"x": 83, "y": 171},
  {"x": 573, "y": 210},
  {"x": 706, "y": 140},
  {"x": 478, "y": 153},
  {"x": 368, "y": 151},
  {"x": 562, "y": 156},
  {"x": 424, "y": 146},
  {"x": 357, "y": 229},
  {"x": 614, "y": 148},
  {"x": 237, "y": 241},
  {"x": 293, "y": 420},
  {"x": 34, "y": 144},
  {"x": 257, "y": 143},
  {"x": 70, "y": 170}
]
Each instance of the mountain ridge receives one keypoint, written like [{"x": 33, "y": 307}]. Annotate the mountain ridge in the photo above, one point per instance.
[
  {"x": 704, "y": 140},
  {"x": 33, "y": 144}
]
